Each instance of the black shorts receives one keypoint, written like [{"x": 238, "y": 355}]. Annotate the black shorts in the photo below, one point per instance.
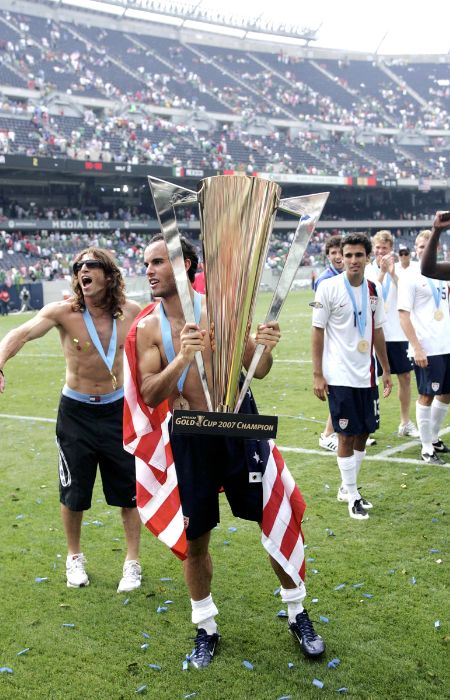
[
  {"x": 90, "y": 435},
  {"x": 434, "y": 379},
  {"x": 354, "y": 411},
  {"x": 399, "y": 362},
  {"x": 206, "y": 463}
]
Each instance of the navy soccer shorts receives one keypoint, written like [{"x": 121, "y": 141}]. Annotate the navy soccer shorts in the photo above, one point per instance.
[
  {"x": 434, "y": 379},
  {"x": 354, "y": 411}
]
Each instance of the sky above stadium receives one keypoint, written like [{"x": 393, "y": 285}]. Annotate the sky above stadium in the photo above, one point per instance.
[{"x": 391, "y": 26}]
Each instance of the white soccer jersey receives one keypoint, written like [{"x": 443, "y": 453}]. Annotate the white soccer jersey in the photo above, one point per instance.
[
  {"x": 416, "y": 296},
  {"x": 343, "y": 364},
  {"x": 392, "y": 328}
]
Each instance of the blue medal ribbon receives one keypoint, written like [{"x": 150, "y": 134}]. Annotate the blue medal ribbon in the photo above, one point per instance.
[
  {"x": 385, "y": 284},
  {"x": 107, "y": 358},
  {"x": 360, "y": 316},
  {"x": 437, "y": 293},
  {"x": 166, "y": 333},
  {"x": 333, "y": 269}
]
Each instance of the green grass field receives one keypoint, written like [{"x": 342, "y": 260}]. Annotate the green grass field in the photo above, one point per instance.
[{"x": 376, "y": 588}]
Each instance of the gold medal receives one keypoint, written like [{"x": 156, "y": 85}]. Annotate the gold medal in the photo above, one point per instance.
[
  {"x": 363, "y": 345},
  {"x": 181, "y": 403},
  {"x": 438, "y": 315},
  {"x": 113, "y": 381}
]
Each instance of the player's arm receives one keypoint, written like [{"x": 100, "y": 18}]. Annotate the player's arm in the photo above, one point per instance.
[
  {"x": 380, "y": 349},
  {"x": 13, "y": 342},
  {"x": 428, "y": 264},
  {"x": 420, "y": 356},
  {"x": 267, "y": 334},
  {"x": 155, "y": 382},
  {"x": 320, "y": 386}
]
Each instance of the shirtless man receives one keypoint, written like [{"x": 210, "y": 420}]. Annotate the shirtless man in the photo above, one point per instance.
[
  {"x": 203, "y": 464},
  {"x": 92, "y": 325}
]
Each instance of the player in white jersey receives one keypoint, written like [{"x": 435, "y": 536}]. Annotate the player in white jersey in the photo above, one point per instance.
[
  {"x": 425, "y": 319},
  {"x": 350, "y": 309},
  {"x": 384, "y": 271}
]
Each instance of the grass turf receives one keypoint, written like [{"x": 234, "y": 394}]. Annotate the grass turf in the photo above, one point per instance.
[{"x": 379, "y": 586}]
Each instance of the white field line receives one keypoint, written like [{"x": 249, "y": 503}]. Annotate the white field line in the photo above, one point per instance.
[
  {"x": 380, "y": 457},
  {"x": 295, "y": 362}
]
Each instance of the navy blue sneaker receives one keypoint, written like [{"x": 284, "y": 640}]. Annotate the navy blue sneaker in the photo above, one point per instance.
[
  {"x": 204, "y": 649},
  {"x": 310, "y": 642}
]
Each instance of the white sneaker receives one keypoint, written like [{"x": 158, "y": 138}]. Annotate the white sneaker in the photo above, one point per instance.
[
  {"x": 370, "y": 441},
  {"x": 342, "y": 497},
  {"x": 131, "y": 577},
  {"x": 329, "y": 442},
  {"x": 75, "y": 571},
  {"x": 409, "y": 429}
]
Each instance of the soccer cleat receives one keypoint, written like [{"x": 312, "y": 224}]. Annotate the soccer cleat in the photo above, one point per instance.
[
  {"x": 342, "y": 497},
  {"x": 310, "y": 642},
  {"x": 75, "y": 571},
  {"x": 431, "y": 459},
  {"x": 408, "y": 429},
  {"x": 204, "y": 649},
  {"x": 131, "y": 576},
  {"x": 356, "y": 510},
  {"x": 370, "y": 441},
  {"x": 328, "y": 442},
  {"x": 441, "y": 447}
]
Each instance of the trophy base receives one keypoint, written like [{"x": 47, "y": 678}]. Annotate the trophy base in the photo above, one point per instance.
[{"x": 243, "y": 425}]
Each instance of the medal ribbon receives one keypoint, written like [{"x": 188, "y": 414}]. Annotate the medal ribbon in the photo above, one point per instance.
[
  {"x": 108, "y": 359},
  {"x": 385, "y": 284},
  {"x": 360, "y": 317},
  {"x": 166, "y": 333},
  {"x": 437, "y": 293},
  {"x": 333, "y": 269}
]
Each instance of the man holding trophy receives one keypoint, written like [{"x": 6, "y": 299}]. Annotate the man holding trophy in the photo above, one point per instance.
[{"x": 179, "y": 475}]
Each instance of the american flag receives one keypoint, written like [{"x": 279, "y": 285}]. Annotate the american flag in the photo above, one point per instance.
[{"x": 146, "y": 436}]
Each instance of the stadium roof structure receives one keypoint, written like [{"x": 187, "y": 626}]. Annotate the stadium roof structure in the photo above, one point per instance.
[{"x": 194, "y": 16}]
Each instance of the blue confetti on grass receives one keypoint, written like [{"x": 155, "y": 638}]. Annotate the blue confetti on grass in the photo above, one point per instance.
[
  {"x": 413, "y": 580},
  {"x": 357, "y": 585},
  {"x": 144, "y": 647},
  {"x": 329, "y": 532},
  {"x": 232, "y": 529},
  {"x": 226, "y": 541},
  {"x": 24, "y": 651},
  {"x": 339, "y": 587},
  {"x": 437, "y": 624},
  {"x": 290, "y": 664},
  {"x": 248, "y": 665},
  {"x": 126, "y": 601},
  {"x": 155, "y": 667},
  {"x": 277, "y": 591},
  {"x": 282, "y": 613},
  {"x": 6, "y": 669},
  {"x": 315, "y": 600},
  {"x": 342, "y": 690},
  {"x": 314, "y": 571},
  {"x": 285, "y": 697},
  {"x": 367, "y": 595},
  {"x": 141, "y": 689},
  {"x": 168, "y": 602},
  {"x": 185, "y": 665},
  {"x": 334, "y": 663},
  {"x": 322, "y": 618},
  {"x": 317, "y": 683},
  {"x": 146, "y": 635},
  {"x": 434, "y": 520},
  {"x": 311, "y": 559},
  {"x": 434, "y": 551},
  {"x": 161, "y": 609},
  {"x": 190, "y": 695},
  {"x": 166, "y": 578},
  {"x": 41, "y": 579},
  {"x": 68, "y": 624}
]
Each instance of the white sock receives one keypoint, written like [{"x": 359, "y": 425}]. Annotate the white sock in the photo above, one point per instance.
[
  {"x": 423, "y": 417},
  {"x": 203, "y": 612},
  {"x": 294, "y": 598},
  {"x": 347, "y": 467},
  {"x": 438, "y": 413},
  {"x": 359, "y": 456}
]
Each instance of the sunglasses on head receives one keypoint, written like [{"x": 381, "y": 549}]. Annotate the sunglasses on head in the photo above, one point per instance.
[
  {"x": 404, "y": 252},
  {"x": 90, "y": 264}
]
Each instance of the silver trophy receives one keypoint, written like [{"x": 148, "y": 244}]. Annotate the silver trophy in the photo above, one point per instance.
[{"x": 237, "y": 214}]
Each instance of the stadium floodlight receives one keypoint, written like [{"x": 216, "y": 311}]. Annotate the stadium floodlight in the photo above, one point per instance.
[{"x": 97, "y": 6}]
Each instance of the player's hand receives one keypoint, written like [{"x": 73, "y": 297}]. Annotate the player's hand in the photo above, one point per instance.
[
  {"x": 441, "y": 221},
  {"x": 420, "y": 358},
  {"x": 268, "y": 334},
  {"x": 192, "y": 340},
  {"x": 387, "y": 384},
  {"x": 385, "y": 262},
  {"x": 320, "y": 387}
]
